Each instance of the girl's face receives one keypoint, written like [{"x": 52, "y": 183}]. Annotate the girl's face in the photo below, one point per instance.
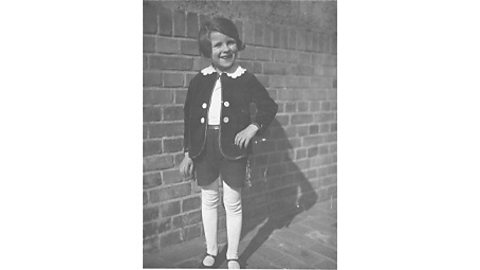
[{"x": 224, "y": 51}]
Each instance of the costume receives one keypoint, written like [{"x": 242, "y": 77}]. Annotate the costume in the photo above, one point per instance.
[{"x": 239, "y": 89}]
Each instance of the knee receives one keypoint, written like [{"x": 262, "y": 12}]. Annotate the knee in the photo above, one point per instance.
[
  {"x": 233, "y": 205},
  {"x": 209, "y": 200}
]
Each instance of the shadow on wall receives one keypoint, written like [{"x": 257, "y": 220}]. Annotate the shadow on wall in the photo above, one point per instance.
[{"x": 278, "y": 193}]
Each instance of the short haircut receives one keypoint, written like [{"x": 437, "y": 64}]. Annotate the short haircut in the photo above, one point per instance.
[{"x": 217, "y": 24}]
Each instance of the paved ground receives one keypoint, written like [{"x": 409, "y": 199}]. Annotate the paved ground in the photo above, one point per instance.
[{"x": 308, "y": 242}]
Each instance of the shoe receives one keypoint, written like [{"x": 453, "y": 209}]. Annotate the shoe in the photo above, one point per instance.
[
  {"x": 214, "y": 265},
  {"x": 233, "y": 260}
]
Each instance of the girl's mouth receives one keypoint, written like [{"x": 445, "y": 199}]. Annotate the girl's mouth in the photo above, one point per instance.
[{"x": 226, "y": 56}]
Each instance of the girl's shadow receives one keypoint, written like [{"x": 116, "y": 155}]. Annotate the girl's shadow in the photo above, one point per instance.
[{"x": 279, "y": 190}]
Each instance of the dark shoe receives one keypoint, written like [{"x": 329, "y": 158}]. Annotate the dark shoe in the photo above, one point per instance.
[
  {"x": 233, "y": 260},
  {"x": 214, "y": 265}
]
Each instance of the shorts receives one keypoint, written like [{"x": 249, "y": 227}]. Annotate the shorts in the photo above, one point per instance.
[{"x": 211, "y": 163}]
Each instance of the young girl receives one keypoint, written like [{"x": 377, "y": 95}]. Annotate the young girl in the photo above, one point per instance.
[{"x": 218, "y": 132}]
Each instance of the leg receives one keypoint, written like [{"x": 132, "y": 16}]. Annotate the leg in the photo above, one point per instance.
[
  {"x": 210, "y": 199},
  {"x": 232, "y": 199}
]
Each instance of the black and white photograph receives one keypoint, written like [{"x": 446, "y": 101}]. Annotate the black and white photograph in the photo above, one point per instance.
[{"x": 240, "y": 134}]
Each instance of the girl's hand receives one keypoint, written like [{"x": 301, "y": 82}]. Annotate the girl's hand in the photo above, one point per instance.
[
  {"x": 186, "y": 166},
  {"x": 243, "y": 138}
]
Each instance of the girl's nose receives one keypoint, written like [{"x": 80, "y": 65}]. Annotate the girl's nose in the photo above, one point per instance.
[{"x": 225, "y": 48}]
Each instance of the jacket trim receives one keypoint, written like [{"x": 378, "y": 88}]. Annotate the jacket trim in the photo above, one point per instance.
[{"x": 237, "y": 73}]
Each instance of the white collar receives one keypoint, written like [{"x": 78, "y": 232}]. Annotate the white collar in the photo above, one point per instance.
[{"x": 237, "y": 73}]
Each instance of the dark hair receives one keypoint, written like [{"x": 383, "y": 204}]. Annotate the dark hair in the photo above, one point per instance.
[{"x": 218, "y": 24}]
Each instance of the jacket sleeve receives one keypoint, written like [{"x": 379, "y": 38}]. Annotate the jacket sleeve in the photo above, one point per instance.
[
  {"x": 266, "y": 106},
  {"x": 186, "y": 117}
]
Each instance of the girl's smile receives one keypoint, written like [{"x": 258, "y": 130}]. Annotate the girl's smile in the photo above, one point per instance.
[{"x": 224, "y": 51}]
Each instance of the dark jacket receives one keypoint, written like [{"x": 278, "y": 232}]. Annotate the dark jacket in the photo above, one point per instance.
[{"x": 237, "y": 94}]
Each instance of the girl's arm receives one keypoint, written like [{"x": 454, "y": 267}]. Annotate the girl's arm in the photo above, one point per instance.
[{"x": 266, "y": 106}]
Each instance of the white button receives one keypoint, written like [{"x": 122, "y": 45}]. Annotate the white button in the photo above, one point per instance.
[
  {"x": 226, "y": 104},
  {"x": 202, "y": 120},
  {"x": 204, "y": 105},
  {"x": 225, "y": 119}
]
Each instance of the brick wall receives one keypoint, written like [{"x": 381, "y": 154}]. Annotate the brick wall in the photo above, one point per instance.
[{"x": 291, "y": 48}]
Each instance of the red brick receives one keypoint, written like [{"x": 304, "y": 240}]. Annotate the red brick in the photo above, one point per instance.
[
  {"x": 152, "y": 148},
  {"x": 164, "y": 225},
  {"x": 164, "y": 21},
  {"x": 152, "y": 180},
  {"x": 171, "y": 238},
  {"x": 192, "y": 218},
  {"x": 148, "y": 44},
  {"x": 149, "y": 18},
  {"x": 192, "y": 232},
  {"x": 289, "y": 94},
  {"x": 152, "y": 114},
  {"x": 309, "y": 41},
  {"x": 302, "y": 106},
  {"x": 189, "y": 47},
  {"x": 282, "y": 39},
  {"x": 301, "y": 70},
  {"x": 153, "y": 163},
  {"x": 264, "y": 54},
  {"x": 257, "y": 67},
  {"x": 274, "y": 68},
  {"x": 292, "y": 81},
  {"x": 268, "y": 35},
  {"x": 259, "y": 29},
  {"x": 145, "y": 62},
  {"x": 191, "y": 204},
  {"x": 249, "y": 32},
  {"x": 149, "y": 229},
  {"x": 145, "y": 198},
  {"x": 302, "y": 130},
  {"x": 152, "y": 78},
  {"x": 324, "y": 128},
  {"x": 192, "y": 25},
  {"x": 315, "y": 41},
  {"x": 172, "y": 145},
  {"x": 275, "y": 36},
  {"x": 150, "y": 214},
  {"x": 312, "y": 140},
  {"x": 292, "y": 39},
  {"x": 173, "y": 80},
  {"x": 300, "y": 153},
  {"x": 301, "y": 40},
  {"x": 323, "y": 150},
  {"x": 170, "y": 63},
  {"x": 170, "y": 192},
  {"x": 157, "y": 97},
  {"x": 290, "y": 107},
  {"x": 248, "y": 53},
  {"x": 313, "y": 129},
  {"x": 312, "y": 151},
  {"x": 170, "y": 209},
  {"x": 179, "y": 20},
  {"x": 167, "y": 45},
  {"x": 173, "y": 113},
  {"x": 165, "y": 130},
  {"x": 178, "y": 222},
  {"x": 315, "y": 94},
  {"x": 172, "y": 176},
  {"x": 180, "y": 96}
]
